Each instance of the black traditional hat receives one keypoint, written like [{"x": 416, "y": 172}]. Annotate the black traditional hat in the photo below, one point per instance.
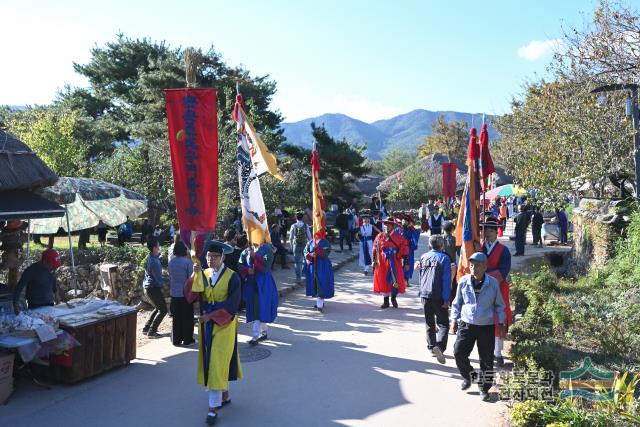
[
  {"x": 491, "y": 222},
  {"x": 218, "y": 247}
]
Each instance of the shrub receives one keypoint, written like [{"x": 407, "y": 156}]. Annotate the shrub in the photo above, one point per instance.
[{"x": 528, "y": 413}]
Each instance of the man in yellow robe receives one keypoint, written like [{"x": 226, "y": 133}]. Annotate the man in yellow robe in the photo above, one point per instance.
[{"x": 218, "y": 290}]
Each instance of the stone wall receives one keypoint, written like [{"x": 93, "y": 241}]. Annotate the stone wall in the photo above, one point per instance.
[
  {"x": 128, "y": 283},
  {"x": 597, "y": 227}
]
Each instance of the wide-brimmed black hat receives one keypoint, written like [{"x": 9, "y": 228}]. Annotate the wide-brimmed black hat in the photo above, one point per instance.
[
  {"x": 491, "y": 222},
  {"x": 218, "y": 247}
]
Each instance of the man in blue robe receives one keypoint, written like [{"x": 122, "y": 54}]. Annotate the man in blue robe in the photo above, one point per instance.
[
  {"x": 260, "y": 291},
  {"x": 318, "y": 272}
]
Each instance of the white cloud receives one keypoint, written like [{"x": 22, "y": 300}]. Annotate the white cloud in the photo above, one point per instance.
[{"x": 537, "y": 49}]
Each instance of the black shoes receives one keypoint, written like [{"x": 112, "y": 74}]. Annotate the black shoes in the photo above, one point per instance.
[
  {"x": 153, "y": 334},
  {"x": 385, "y": 304},
  {"x": 255, "y": 341},
  {"x": 499, "y": 362},
  {"x": 211, "y": 418},
  {"x": 484, "y": 395},
  {"x": 394, "y": 302},
  {"x": 465, "y": 384}
]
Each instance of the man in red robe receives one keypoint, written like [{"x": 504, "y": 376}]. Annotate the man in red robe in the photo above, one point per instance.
[
  {"x": 390, "y": 261},
  {"x": 498, "y": 266}
]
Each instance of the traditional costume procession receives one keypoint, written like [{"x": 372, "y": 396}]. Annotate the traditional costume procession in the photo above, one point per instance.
[
  {"x": 390, "y": 261},
  {"x": 259, "y": 289},
  {"x": 217, "y": 289},
  {"x": 498, "y": 266},
  {"x": 319, "y": 270},
  {"x": 413, "y": 236},
  {"x": 366, "y": 236}
]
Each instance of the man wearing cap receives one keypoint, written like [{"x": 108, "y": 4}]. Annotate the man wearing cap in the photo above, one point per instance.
[
  {"x": 477, "y": 302},
  {"x": 260, "y": 292},
  {"x": 498, "y": 266},
  {"x": 390, "y": 261},
  {"x": 218, "y": 358},
  {"x": 40, "y": 282},
  {"x": 365, "y": 233}
]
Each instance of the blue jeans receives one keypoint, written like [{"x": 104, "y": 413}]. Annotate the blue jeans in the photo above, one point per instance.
[
  {"x": 298, "y": 260},
  {"x": 345, "y": 234}
]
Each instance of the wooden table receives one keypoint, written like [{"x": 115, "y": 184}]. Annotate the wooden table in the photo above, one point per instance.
[{"x": 104, "y": 344}]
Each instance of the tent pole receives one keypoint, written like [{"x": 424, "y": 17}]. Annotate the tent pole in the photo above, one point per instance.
[
  {"x": 29, "y": 239},
  {"x": 73, "y": 263}
]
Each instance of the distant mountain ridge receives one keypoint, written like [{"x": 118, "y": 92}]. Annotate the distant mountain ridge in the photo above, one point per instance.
[{"x": 404, "y": 132}]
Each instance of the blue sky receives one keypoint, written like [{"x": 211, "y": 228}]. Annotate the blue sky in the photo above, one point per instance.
[{"x": 368, "y": 59}]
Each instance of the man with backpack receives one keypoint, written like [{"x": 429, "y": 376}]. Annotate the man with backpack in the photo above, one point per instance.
[
  {"x": 435, "y": 286},
  {"x": 299, "y": 235}
]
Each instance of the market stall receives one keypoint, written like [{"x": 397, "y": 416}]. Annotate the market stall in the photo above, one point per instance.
[
  {"x": 106, "y": 332},
  {"x": 85, "y": 337}
]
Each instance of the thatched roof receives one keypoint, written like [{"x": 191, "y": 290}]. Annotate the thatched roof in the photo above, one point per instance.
[
  {"x": 433, "y": 163},
  {"x": 20, "y": 167},
  {"x": 368, "y": 184}
]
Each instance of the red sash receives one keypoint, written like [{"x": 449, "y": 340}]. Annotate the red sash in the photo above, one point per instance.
[{"x": 493, "y": 262}]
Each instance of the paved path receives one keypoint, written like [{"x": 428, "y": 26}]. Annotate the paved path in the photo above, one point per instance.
[{"x": 354, "y": 365}]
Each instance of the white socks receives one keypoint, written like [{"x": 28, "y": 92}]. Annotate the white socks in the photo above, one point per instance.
[
  {"x": 320, "y": 302},
  {"x": 497, "y": 350},
  {"x": 259, "y": 328},
  {"x": 215, "y": 399}
]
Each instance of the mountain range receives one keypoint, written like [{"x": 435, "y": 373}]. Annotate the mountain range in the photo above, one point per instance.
[{"x": 404, "y": 132}]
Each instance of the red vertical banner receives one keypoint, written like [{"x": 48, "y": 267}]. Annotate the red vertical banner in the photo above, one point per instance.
[
  {"x": 448, "y": 180},
  {"x": 193, "y": 140}
]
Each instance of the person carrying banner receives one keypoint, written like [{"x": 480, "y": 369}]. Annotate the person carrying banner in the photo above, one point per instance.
[
  {"x": 260, "y": 291},
  {"x": 365, "y": 233},
  {"x": 319, "y": 272},
  {"x": 390, "y": 261},
  {"x": 219, "y": 296},
  {"x": 498, "y": 266}
]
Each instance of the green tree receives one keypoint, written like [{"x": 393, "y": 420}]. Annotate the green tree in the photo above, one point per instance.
[
  {"x": 394, "y": 161},
  {"x": 557, "y": 139},
  {"x": 125, "y": 101},
  {"x": 341, "y": 163},
  {"x": 449, "y": 138},
  {"x": 416, "y": 183},
  {"x": 53, "y": 135}
]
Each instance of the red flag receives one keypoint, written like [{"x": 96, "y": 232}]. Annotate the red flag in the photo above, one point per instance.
[
  {"x": 473, "y": 151},
  {"x": 467, "y": 227},
  {"x": 448, "y": 180},
  {"x": 486, "y": 163},
  {"x": 193, "y": 139}
]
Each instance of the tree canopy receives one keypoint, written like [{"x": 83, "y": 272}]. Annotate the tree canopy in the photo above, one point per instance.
[
  {"x": 125, "y": 105},
  {"x": 341, "y": 163},
  {"x": 556, "y": 139},
  {"x": 449, "y": 138}
]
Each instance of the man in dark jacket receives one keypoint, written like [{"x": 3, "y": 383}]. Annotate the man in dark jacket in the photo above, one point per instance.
[
  {"x": 435, "y": 287},
  {"x": 342, "y": 223},
  {"x": 40, "y": 282},
  {"x": 522, "y": 223},
  {"x": 536, "y": 226}
]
